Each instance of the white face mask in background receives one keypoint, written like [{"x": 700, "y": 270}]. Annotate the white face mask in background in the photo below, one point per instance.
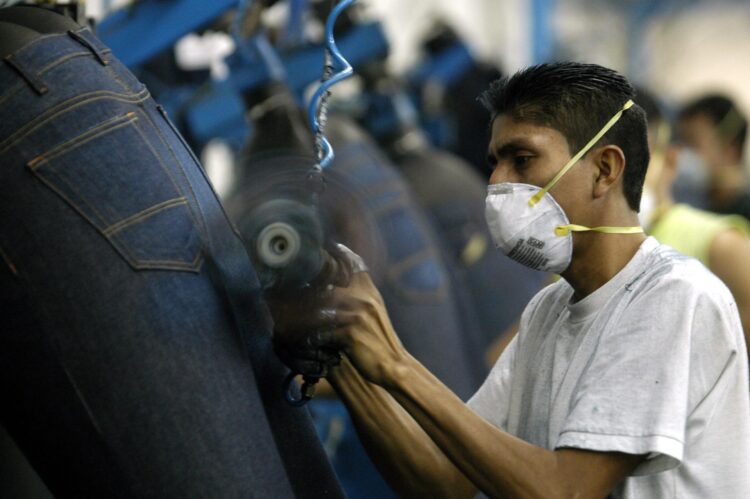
[
  {"x": 692, "y": 180},
  {"x": 530, "y": 227}
]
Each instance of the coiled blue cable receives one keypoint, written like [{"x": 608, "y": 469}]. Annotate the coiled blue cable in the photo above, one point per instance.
[{"x": 317, "y": 111}]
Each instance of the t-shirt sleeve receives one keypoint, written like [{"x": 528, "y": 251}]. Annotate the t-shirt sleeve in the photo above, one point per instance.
[
  {"x": 635, "y": 396},
  {"x": 492, "y": 400}
]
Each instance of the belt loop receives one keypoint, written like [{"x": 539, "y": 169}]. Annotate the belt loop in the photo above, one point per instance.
[
  {"x": 37, "y": 84},
  {"x": 99, "y": 53}
]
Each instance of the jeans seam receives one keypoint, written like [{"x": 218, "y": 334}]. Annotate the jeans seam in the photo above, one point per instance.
[
  {"x": 144, "y": 214},
  {"x": 113, "y": 74},
  {"x": 65, "y": 107},
  {"x": 97, "y": 131},
  {"x": 8, "y": 262},
  {"x": 82, "y": 401},
  {"x": 167, "y": 172},
  {"x": 232, "y": 227},
  {"x": 199, "y": 220}
]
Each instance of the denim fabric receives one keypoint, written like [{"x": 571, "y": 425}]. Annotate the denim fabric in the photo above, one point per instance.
[
  {"x": 405, "y": 255},
  {"x": 135, "y": 355}
]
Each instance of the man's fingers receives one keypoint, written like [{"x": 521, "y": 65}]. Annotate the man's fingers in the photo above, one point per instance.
[
  {"x": 307, "y": 349},
  {"x": 353, "y": 260},
  {"x": 302, "y": 322},
  {"x": 312, "y": 362},
  {"x": 336, "y": 339}
]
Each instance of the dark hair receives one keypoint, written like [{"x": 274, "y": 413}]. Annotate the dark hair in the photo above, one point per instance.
[
  {"x": 578, "y": 100},
  {"x": 723, "y": 113}
]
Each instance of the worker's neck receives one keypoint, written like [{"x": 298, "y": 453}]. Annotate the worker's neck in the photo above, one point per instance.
[
  {"x": 598, "y": 257},
  {"x": 726, "y": 184}
]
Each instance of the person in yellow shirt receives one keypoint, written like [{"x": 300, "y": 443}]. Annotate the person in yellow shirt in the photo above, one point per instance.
[{"x": 720, "y": 242}]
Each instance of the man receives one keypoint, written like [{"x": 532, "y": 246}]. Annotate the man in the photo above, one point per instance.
[
  {"x": 715, "y": 129},
  {"x": 626, "y": 377},
  {"x": 720, "y": 242}
]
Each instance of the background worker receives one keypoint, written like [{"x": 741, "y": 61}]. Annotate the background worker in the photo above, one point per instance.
[{"x": 720, "y": 242}]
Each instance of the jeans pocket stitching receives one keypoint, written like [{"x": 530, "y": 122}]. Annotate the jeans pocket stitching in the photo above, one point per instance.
[
  {"x": 179, "y": 136},
  {"x": 177, "y": 162},
  {"x": 65, "y": 107},
  {"x": 143, "y": 215},
  {"x": 61, "y": 60},
  {"x": 108, "y": 126},
  {"x": 193, "y": 266},
  {"x": 72, "y": 203},
  {"x": 169, "y": 174},
  {"x": 97, "y": 220}
]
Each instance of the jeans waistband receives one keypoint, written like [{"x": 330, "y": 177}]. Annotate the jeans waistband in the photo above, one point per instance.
[{"x": 33, "y": 60}]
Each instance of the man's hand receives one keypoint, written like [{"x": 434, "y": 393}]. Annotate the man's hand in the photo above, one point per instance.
[
  {"x": 301, "y": 315},
  {"x": 296, "y": 323},
  {"x": 364, "y": 331}
]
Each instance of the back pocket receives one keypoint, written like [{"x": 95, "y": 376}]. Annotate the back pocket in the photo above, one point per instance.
[{"x": 112, "y": 176}]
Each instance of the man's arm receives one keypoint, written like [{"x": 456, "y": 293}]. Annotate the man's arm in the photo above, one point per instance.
[
  {"x": 404, "y": 454},
  {"x": 729, "y": 259},
  {"x": 496, "y": 462}
]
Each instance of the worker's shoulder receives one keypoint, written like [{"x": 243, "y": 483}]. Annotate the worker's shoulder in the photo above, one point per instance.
[
  {"x": 665, "y": 270},
  {"x": 689, "y": 217}
]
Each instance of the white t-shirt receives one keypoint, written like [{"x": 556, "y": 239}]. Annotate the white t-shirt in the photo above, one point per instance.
[{"x": 653, "y": 363}]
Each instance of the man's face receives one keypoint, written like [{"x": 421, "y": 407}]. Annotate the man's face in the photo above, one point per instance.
[
  {"x": 699, "y": 133},
  {"x": 526, "y": 153}
]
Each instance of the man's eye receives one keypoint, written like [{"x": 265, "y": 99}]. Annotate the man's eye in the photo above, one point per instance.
[
  {"x": 521, "y": 160},
  {"x": 491, "y": 162}
]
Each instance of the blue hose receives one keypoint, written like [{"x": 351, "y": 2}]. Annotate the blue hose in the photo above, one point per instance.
[{"x": 317, "y": 111}]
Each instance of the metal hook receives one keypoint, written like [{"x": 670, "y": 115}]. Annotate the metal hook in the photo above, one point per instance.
[
  {"x": 317, "y": 112},
  {"x": 307, "y": 390}
]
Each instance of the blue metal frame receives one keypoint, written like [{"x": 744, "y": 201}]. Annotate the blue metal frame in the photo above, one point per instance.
[
  {"x": 138, "y": 33},
  {"x": 293, "y": 34},
  {"x": 543, "y": 38},
  {"x": 219, "y": 111}
]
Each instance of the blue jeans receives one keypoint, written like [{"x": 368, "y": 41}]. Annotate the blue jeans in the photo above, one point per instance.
[{"x": 135, "y": 354}]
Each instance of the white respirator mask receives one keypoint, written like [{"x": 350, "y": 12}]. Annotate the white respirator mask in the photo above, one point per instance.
[{"x": 528, "y": 225}]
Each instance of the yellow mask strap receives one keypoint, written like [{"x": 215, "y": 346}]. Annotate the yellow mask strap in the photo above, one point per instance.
[
  {"x": 538, "y": 196},
  {"x": 564, "y": 230}
]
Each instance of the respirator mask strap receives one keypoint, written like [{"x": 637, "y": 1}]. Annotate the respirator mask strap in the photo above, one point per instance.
[{"x": 539, "y": 195}]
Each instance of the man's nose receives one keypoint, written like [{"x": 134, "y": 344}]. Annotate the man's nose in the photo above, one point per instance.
[{"x": 500, "y": 175}]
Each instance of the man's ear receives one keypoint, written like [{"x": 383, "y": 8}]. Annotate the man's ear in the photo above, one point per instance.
[{"x": 610, "y": 165}]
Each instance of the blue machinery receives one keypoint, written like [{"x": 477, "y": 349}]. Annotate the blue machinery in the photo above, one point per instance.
[{"x": 146, "y": 29}]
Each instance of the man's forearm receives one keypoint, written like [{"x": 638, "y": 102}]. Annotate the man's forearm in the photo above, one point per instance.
[
  {"x": 498, "y": 463},
  {"x": 407, "y": 458}
]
